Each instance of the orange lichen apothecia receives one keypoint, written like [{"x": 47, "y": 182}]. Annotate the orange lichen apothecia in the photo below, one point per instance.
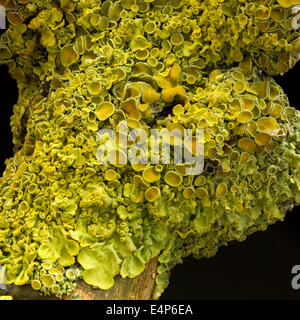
[{"x": 82, "y": 66}]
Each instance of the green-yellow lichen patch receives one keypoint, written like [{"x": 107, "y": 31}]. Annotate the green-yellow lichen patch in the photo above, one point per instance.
[
  {"x": 268, "y": 125},
  {"x": 288, "y": 3},
  {"x": 201, "y": 192},
  {"x": 173, "y": 179},
  {"x": 110, "y": 175},
  {"x": 199, "y": 181},
  {"x": 262, "y": 139},
  {"x": 48, "y": 280},
  {"x": 139, "y": 166},
  {"x": 139, "y": 43},
  {"x": 104, "y": 111},
  {"x": 188, "y": 192},
  {"x": 100, "y": 263},
  {"x": 68, "y": 56},
  {"x": 248, "y": 102},
  {"x": 94, "y": 88},
  {"x": 247, "y": 144},
  {"x": 245, "y": 116},
  {"x": 151, "y": 175},
  {"x": 169, "y": 66},
  {"x": 131, "y": 108},
  {"x": 221, "y": 190},
  {"x": 171, "y": 80},
  {"x": 59, "y": 249},
  {"x": 150, "y": 95},
  {"x": 36, "y": 284},
  {"x": 169, "y": 94},
  {"x": 152, "y": 194}
]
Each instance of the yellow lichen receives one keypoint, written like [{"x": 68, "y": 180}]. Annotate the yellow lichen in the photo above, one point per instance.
[
  {"x": 104, "y": 111},
  {"x": 173, "y": 179},
  {"x": 268, "y": 125},
  {"x": 245, "y": 116},
  {"x": 171, "y": 66},
  {"x": 221, "y": 190},
  {"x": 68, "y": 56},
  {"x": 169, "y": 94},
  {"x": 130, "y": 106},
  {"x": 150, "y": 175},
  {"x": 288, "y": 3},
  {"x": 247, "y": 144},
  {"x": 152, "y": 194}
]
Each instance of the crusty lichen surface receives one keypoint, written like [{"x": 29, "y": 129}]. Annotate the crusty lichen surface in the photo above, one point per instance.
[{"x": 82, "y": 66}]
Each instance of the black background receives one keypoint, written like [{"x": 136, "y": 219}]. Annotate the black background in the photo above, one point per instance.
[{"x": 258, "y": 268}]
